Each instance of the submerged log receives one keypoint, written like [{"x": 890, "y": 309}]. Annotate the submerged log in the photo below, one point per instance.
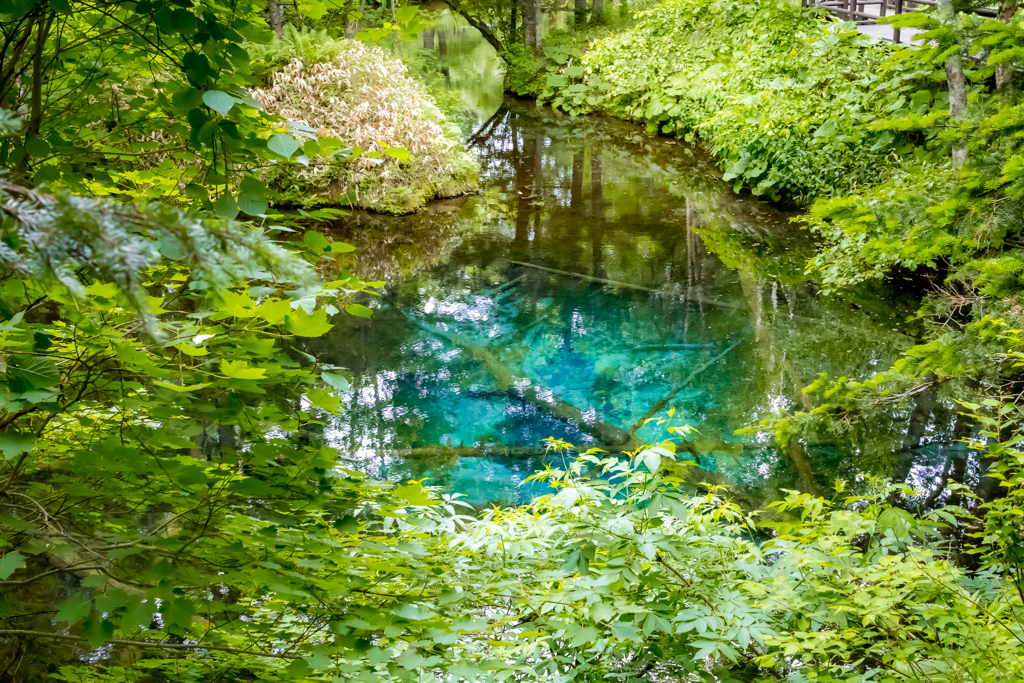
[
  {"x": 670, "y": 347},
  {"x": 442, "y": 451},
  {"x": 702, "y": 447},
  {"x": 695, "y": 476},
  {"x": 660, "y": 405},
  {"x": 524, "y": 389},
  {"x": 617, "y": 283}
]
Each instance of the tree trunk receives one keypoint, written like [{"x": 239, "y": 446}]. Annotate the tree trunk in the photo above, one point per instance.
[
  {"x": 538, "y": 18},
  {"x": 275, "y": 8},
  {"x": 474, "y": 21},
  {"x": 597, "y": 12},
  {"x": 35, "y": 121},
  {"x": 507, "y": 382},
  {"x": 963, "y": 429},
  {"x": 352, "y": 27},
  {"x": 956, "y": 81},
  {"x": 576, "y": 185},
  {"x": 597, "y": 214},
  {"x": 580, "y": 10},
  {"x": 529, "y": 22},
  {"x": 917, "y": 427},
  {"x": 1004, "y": 71},
  {"x": 428, "y": 39},
  {"x": 442, "y": 44},
  {"x": 596, "y": 184},
  {"x": 227, "y": 439},
  {"x": 957, "y": 100},
  {"x": 394, "y": 13}
]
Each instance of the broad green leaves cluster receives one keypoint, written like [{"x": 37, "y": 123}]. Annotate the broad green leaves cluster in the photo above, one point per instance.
[
  {"x": 789, "y": 107},
  {"x": 145, "y": 99},
  {"x": 957, "y": 225},
  {"x": 154, "y": 420},
  {"x": 172, "y": 509}
]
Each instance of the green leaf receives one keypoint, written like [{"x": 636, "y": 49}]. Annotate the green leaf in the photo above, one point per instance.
[
  {"x": 10, "y": 563},
  {"x": 74, "y": 609},
  {"x": 651, "y": 460},
  {"x": 241, "y": 370},
  {"x": 336, "y": 381},
  {"x": 252, "y": 185},
  {"x": 252, "y": 204},
  {"x": 413, "y": 493},
  {"x": 319, "y": 659},
  {"x": 601, "y": 612},
  {"x": 899, "y": 521},
  {"x": 179, "y": 612},
  {"x": 31, "y": 372},
  {"x": 12, "y": 445},
  {"x": 37, "y": 147},
  {"x": 16, "y": 9},
  {"x": 316, "y": 241},
  {"x": 406, "y": 13},
  {"x": 624, "y": 631},
  {"x": 324, "y": 399},
  {"x": 138, "y": 614},
  {"x": 193, "y": 351},
  {"x": 274, "y": 310},
  {"x": 571, "y": 563},
  {"x": 225, "y": 206},
  {"x": 303, "y": 324},
  {"x": 398, "y": 153},
  {"x": 282, "y": 144},
  {"x": 299, "y": 668},
  {"x": 413, "y": 612},
  {"x": 220, "y": 102},
  {"x": 180, "y": 388},
  {"x": 358, "y": 310},
  {"x": 97, "y": 630}
]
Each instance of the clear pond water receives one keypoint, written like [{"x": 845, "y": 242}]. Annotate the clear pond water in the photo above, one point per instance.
[{"x": 601, "y": 275}]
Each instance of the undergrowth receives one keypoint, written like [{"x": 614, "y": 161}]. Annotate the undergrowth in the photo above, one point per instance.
[
  {"x": 526, "y": 72},
  {"x": 788, "y": 107}
]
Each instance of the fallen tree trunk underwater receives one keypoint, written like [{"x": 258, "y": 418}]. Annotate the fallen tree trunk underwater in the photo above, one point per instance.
[
  {"x": 660, "y": 405},
  {"x": 694, "y": 475},
  {"x": 524, "y": 389},
  {"x": 626, "y": 285}
]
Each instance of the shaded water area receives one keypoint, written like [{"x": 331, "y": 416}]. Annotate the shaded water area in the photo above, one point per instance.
[{"x": 602, "y": 276}]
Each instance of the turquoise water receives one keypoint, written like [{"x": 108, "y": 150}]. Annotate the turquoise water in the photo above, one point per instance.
[
  {"x": 602, "y": 275},
  {"x": 601, "y": 269}
]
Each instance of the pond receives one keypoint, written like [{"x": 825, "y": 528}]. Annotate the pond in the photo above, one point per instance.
[{"x": 602, "y": 276}]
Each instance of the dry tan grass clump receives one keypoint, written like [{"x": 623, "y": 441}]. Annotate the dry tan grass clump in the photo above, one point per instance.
[{"x": 364, "y": 97}]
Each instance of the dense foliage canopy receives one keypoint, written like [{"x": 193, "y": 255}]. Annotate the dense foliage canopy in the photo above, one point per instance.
[{"x": 171, "y": 509}]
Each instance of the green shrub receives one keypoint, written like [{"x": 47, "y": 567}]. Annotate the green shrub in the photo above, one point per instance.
[{"x": 785, "y": 97}]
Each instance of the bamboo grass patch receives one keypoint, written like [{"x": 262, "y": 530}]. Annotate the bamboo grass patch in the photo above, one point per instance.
[{"x": 365, "y": 97}]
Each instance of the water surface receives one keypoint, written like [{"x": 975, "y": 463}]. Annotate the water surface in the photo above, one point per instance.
[{"x": 601, "y": 275}]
